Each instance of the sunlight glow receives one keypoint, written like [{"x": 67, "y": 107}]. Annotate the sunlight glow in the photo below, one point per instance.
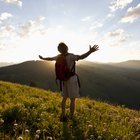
[{"x": 26, "y": 32}]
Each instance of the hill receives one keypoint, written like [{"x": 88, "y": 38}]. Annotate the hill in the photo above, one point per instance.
[
  {"x": 116, "y": 83},
  {"x": 3, "y": 64},
  {"x": 31, "y": 113},
  {"x": 133, "y": 64}
]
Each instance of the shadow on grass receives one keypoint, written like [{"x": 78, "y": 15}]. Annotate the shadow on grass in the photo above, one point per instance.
[{"x": 72, "y": 130}]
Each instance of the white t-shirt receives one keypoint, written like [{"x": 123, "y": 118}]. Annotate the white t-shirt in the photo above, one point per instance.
[
  {"x": 70, "y": 87},
  {"x": 70, "y": 58}
]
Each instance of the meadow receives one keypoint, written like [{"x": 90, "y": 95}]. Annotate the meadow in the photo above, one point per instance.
[{"x": 28, "y": 113}]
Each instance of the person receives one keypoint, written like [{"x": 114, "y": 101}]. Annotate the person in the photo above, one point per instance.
[{"x": 70, "y": 88}]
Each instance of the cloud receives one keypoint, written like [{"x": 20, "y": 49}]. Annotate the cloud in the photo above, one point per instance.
[
  {"x": 7, "y": 31},
  {"x": 132, "y": 14},
  {"x": 15, "y": 2},
  {"x": 7, "y": 36},
  {"x": 93, "y": 23},
  {"x": 110, "y": 15},
  {"x": 96, "y": 25},
  {"x": 32, "y": 27},
  {"x": 5, "y": 16},
  {"x": 87, "y": 18},
  {"x": 118, "y": 32},
  {"x": 119, "y": 4},
  {"x": 19, "y": 38},
  {"x": 115, "y": 38}
]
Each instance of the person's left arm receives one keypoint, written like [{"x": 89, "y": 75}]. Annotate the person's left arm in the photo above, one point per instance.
[{"x": 91, "y": 50}]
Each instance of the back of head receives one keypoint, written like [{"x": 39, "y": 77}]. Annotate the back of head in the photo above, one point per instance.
[{"x": 62, "y": 48}]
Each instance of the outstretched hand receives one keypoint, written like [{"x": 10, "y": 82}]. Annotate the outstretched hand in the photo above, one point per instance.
[{"x": 94, "y": 48}]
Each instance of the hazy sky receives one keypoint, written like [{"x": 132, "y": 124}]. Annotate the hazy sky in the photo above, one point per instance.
[{"x": 32, "y": 27}]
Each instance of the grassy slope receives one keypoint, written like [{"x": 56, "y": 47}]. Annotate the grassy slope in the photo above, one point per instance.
[{"x": 31, "y": 112}]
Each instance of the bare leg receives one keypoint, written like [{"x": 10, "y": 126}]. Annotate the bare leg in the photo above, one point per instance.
[
  {"x": 63, "y": 103},
  {"x": 72, "y": 106}
]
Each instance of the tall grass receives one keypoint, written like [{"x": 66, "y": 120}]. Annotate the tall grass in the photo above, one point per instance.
[{"x": 33, "y": 114}]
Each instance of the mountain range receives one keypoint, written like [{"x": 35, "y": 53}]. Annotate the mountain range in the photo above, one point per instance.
[{"x": 118, "y": 83}]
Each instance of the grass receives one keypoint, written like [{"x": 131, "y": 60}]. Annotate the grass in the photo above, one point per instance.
[{"x": 33, "y": 114}]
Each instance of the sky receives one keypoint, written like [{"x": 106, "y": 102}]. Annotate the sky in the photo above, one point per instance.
[{"x": 29, "y": 28}]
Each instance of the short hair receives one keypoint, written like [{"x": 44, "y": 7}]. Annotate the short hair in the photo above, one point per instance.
[{"x": 62, "y": 47}]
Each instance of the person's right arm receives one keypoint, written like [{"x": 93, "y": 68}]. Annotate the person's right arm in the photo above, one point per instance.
[{"x": 47, "y": 58}]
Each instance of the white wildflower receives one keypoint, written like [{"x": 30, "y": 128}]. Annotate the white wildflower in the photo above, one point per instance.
[
  {"x": 90, "y": 126},
  {"x": 15, "y": 124},
  {"x": 99, "y": 137},
  {"x": 26, "y": 131},
  {"x": 88, "y": 122},
  {"x": 1, "y": 120},
  {"x": 20, "y": 138},
  {"x": 37, "y": 136},
  {"x": 91, "y": 136},
  {"x": 38, "y": 119},
  {"x": 111, "y": 135},
  {"x": 49, "y": 138},
  {"x": 38, "y": 131}
]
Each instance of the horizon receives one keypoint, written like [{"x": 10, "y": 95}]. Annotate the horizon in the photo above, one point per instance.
[
  {"x": 98, "y": 62},
  {"x": 26, "y": 32}
]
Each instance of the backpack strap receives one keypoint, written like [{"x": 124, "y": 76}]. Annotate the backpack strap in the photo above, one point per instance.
[{"x": 79, "y": 84}]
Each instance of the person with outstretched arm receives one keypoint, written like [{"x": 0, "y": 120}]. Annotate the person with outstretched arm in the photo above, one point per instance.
[{"x": 70, "y": 86}]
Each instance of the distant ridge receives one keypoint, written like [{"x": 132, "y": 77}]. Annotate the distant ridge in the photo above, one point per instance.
[
  {"x": 3, "y": 64},
  {"x": 117, "y": 83},
  {"x": 133, "y": 64}
]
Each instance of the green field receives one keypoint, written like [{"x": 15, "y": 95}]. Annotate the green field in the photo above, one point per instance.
[{"x": 30, "y": 114}]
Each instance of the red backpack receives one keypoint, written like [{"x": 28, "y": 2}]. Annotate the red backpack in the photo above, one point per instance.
[{"x": 61, "y": 69}]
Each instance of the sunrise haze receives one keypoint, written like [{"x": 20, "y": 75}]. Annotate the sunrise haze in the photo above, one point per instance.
[{"x": 29, "y": 28}]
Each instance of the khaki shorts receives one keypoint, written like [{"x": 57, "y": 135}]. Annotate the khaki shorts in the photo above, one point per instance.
[{"x": 70, "y": 88}]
